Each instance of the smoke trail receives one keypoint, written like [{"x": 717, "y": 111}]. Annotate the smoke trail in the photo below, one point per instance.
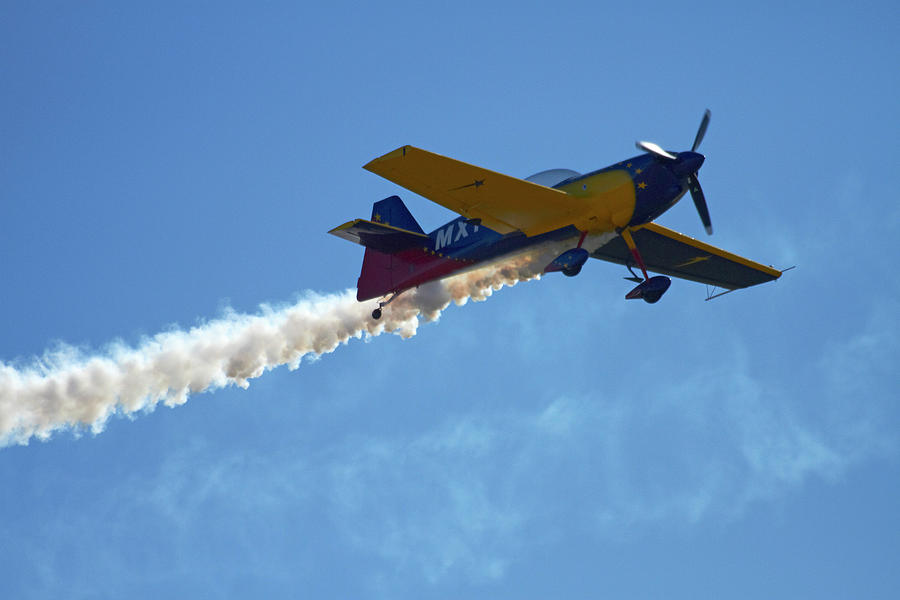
[{"x": 66, "y": 389}]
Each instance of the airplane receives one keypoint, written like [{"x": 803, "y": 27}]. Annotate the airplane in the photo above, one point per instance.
[{"x": 606, "y": 214}]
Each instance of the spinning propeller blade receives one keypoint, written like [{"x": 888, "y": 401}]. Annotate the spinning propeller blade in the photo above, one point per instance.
[
  {"x": 701, "y": 131},
  {"x": 700, "y": 202},
  {"x": 654, "y": 149}
]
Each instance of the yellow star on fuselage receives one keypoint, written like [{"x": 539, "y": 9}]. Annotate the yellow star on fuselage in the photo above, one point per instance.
[{"x": 642, "y": 185}]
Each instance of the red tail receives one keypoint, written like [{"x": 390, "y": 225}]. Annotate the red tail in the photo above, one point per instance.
[
  {"x": 377, "y": 278},
  {"x": 383, "y": 273}
]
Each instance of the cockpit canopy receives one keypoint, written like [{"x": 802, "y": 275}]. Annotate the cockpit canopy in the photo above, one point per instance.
[{"x": 553, "y": 177}]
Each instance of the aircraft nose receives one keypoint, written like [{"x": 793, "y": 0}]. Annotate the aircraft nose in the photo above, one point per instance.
[{"x": 688, "y": 163}]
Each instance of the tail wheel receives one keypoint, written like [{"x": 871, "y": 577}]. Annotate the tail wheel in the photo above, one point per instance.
[{"x": 376, "y": 314}]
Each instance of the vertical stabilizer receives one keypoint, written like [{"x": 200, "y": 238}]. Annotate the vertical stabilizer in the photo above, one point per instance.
[
  {"x": 392, "y": 211},
  {"x": 381, "y": 272}
]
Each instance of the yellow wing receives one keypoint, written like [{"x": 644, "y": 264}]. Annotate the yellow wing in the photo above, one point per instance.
[{"x": 503, "y": 203}]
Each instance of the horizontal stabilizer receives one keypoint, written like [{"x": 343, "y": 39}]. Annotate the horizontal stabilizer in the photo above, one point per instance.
[{"x": 378, "y": 236}]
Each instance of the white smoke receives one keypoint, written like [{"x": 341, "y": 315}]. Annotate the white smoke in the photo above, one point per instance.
[{"x": 68, "y": 390}]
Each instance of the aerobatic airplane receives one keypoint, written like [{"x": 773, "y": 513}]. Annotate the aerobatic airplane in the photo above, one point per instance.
[{"x": 606, "y": 214}]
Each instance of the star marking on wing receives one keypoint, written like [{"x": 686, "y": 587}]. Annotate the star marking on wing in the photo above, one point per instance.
[
  {"x": 638, "y": 171},
  {"x": 642, "y": 185},
  {"x": 475, "y": 184},
  {"x": 628, "y": 166}
]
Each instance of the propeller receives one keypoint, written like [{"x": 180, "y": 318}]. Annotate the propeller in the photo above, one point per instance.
[
  {"x": 693, "y": 183},
  {"x": 654, "y": 149},
  {"x": 701, "y": 131},
  {"x": 700, "y": 202}
]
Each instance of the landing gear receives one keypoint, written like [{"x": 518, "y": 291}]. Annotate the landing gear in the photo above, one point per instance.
[
  {"x": 649, "y": 289},
  {"x": 633, "y": 277},
  {"x": 569, "y": 262},
  {"x": 376, "y": 314}
]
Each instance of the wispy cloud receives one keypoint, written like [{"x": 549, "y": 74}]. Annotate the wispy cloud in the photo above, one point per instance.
[{"x": 468, "y": 498}]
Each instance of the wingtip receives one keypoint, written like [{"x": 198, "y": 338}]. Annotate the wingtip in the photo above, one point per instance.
[
  {"x": 340, "y": 228},
  {"x": 399, "y": 152}
]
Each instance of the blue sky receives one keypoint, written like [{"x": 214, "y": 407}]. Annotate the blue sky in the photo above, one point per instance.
[{"x": 164, "y": 165}]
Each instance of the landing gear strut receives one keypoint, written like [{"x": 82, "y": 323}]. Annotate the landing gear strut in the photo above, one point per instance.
[
  {"x": 650, "y": 289},
  {"x": 575, "y": 269},
  {"x": 376, "y": 314}
]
